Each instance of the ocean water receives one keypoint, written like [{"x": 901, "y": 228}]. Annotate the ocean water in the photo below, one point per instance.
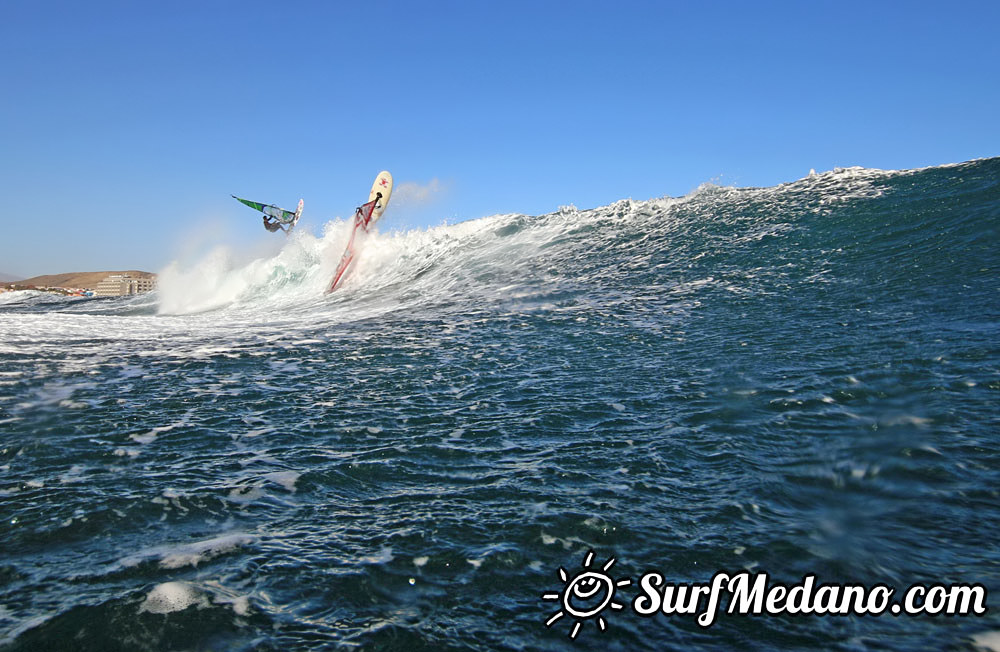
[{"x": 802, "y": 379}]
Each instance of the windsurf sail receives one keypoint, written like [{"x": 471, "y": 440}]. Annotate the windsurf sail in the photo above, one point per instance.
[
  {"x": 280, "y": 214},
  {"x": 362, "y": 219},
  {"x": 365, "y": 217},
  {"x": 279, "y": 217}
]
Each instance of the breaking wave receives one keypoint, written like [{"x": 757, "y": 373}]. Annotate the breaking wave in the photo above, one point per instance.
[{"x": 742, "y": 239}]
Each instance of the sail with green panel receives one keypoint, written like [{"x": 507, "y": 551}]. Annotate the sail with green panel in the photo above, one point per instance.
[{"x": 280, "y": 214}]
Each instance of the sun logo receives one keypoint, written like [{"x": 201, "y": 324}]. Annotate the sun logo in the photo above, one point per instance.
[{"x": 586, "y": 595}]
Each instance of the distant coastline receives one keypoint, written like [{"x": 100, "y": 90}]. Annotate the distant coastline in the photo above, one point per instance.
[{"x": 71, "y": 282}]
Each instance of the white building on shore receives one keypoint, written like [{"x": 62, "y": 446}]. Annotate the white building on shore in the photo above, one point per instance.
[{"x": 118, "y": 285}]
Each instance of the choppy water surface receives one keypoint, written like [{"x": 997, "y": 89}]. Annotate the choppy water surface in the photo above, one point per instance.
[{"x": 799, "y": 379}]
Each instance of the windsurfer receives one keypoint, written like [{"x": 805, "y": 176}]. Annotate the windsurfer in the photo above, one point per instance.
[
  {"x": 275, "y": 218},
  {"x": 272, "y": 224}
]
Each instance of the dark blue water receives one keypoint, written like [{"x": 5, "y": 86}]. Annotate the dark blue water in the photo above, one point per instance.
[{"x": 798, "y": 379}]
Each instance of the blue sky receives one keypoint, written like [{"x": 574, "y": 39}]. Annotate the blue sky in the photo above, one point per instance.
[{"x": 125, "y": 126}]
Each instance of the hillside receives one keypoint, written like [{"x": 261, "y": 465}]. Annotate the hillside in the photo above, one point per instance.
[{"x": 87, "y": 280}]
